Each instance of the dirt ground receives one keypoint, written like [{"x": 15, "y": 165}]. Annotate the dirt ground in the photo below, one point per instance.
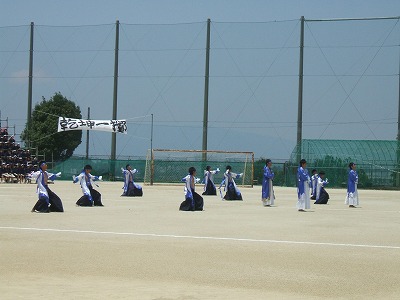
[{"x": 145, "y": 248}]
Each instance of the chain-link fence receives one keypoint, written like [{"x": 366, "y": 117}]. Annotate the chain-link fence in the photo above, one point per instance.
[
  {"x": 172, "y": 171},
  {"x": 377, "y": 161},
  {"x": 350, "y": 86}
]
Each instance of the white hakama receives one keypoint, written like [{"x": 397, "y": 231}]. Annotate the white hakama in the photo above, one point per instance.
[
  {"x": 271, "y": 199},
  {"x": 303, "y": 201},
  {"x": 352, "y": 198}
]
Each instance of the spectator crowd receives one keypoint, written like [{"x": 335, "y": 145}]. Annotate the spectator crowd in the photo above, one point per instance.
[{"x": 16, "y": 164}]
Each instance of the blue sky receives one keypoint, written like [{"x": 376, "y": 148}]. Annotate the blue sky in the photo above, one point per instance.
[
  {"x": 351, "y": 87},
  {"x": 73, "y": 12}
]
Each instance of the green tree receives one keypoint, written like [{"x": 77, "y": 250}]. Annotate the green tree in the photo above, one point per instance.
[{"x": 42, "y": 131}]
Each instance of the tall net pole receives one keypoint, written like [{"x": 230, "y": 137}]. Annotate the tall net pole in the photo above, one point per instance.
[
  {"x": 397, "y": 182},
  {"x": 206, "y": 81},
  {"x": 29, "y": 113},
  {"x": 87, "y": 135},
  {"x": 151, "y": 153},
  {"x": 300, "y": 96},
  {"x": 114, "y": 116}
]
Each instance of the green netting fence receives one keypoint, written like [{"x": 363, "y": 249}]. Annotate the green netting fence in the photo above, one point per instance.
[
  {"x": 377, "y": 161},
  {"x": 174, "y": 171},
  {"x": 169, "y": 166},
  {"x": 109, "y": 169},
  {"x": 165, "y": 170},
  {"x": 377, "y": 165}
]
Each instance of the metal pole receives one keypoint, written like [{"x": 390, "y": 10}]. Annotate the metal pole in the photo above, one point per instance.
[
  {"x": 151, "y": 137},
  {"x": 397, "y": 182},
  {"x": 29, "y": 113},
  {"x": 151, "y": 153},
  {"x": 398, "y": 109},
  {"x": 252, "y": 169},
  {"x": 206, "y": 82},
  {"x": 300, "y": 96},
  {"x": 114, "y": 115},
  {"x": 87, "y": 135}
]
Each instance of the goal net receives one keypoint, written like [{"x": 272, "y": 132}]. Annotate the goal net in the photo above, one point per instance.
[{"x": 170, "y": 166}]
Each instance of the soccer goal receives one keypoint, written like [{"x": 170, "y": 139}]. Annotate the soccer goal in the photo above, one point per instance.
[{"x": 170, "y": 166}]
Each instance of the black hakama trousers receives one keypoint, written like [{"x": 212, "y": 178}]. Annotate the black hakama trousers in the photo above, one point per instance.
[
  {"x": 85, "y": 200},
  {"x": 133, "y": 191},
  {"x": 231, "y": 193},
  {"x": 192, "y": 204},
  {"x": 323, "y": 197},
  {"x": 53, "y": 205},
  {"x": 210, "y": 189}
]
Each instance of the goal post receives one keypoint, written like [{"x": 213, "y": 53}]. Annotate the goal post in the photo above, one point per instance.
[{"x": 170, "y": 165}]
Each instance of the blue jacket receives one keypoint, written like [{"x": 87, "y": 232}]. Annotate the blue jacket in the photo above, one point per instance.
[{"x": 352, "y": 181}]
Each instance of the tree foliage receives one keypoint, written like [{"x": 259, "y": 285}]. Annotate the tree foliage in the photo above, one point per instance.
[{"x": 42, "y": 132}]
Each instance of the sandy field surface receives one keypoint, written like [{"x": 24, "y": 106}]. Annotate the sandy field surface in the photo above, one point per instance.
[{"x": 145, "y": 248}]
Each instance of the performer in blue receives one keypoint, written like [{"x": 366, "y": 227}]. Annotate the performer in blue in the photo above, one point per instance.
[
  {"x": 303, "y": 187},
  {"x": 48, "y": 200},
  {"x": 232, "y": 191},
  {"x": 209, "y": 186},
  {"x": 131, "y": 189},
  {"x": 321, "y": 195},
  {"x": 352, "y": 182},
  {"x": 90, "y": 197},
  {"x": 193, "y": 201},
  {"x": 314, "y": 182},
  {"x": 267, "y": 195}
]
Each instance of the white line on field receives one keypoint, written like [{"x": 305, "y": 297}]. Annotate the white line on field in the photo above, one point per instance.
[
  {"x": 201, "y": 237},
  {"x": 359, "y": 210}
]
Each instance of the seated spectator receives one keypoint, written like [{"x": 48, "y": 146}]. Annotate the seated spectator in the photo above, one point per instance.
[{"x": 15, "y": 162}]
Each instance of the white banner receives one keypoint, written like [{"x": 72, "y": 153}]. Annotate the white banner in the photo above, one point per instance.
[{"x": 66, "y": 124}]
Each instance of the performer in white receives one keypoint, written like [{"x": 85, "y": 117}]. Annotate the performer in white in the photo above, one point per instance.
[
  {"x": 232, "y": 191},
  {"x": 267, "y": 195},
  {"x": 48, "y": 200},
  {"x": 321, "y": 195},
  {"x": 193, "y": 201},
  {"x": 314, "y": 182},
  {"x": 90, "y": 197},
  {"x": 303, "y": 187},
  {"x": 209, "y": 186},
  {"x": 131, "y": 189},
  {"x": 352, "y": 182}
]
